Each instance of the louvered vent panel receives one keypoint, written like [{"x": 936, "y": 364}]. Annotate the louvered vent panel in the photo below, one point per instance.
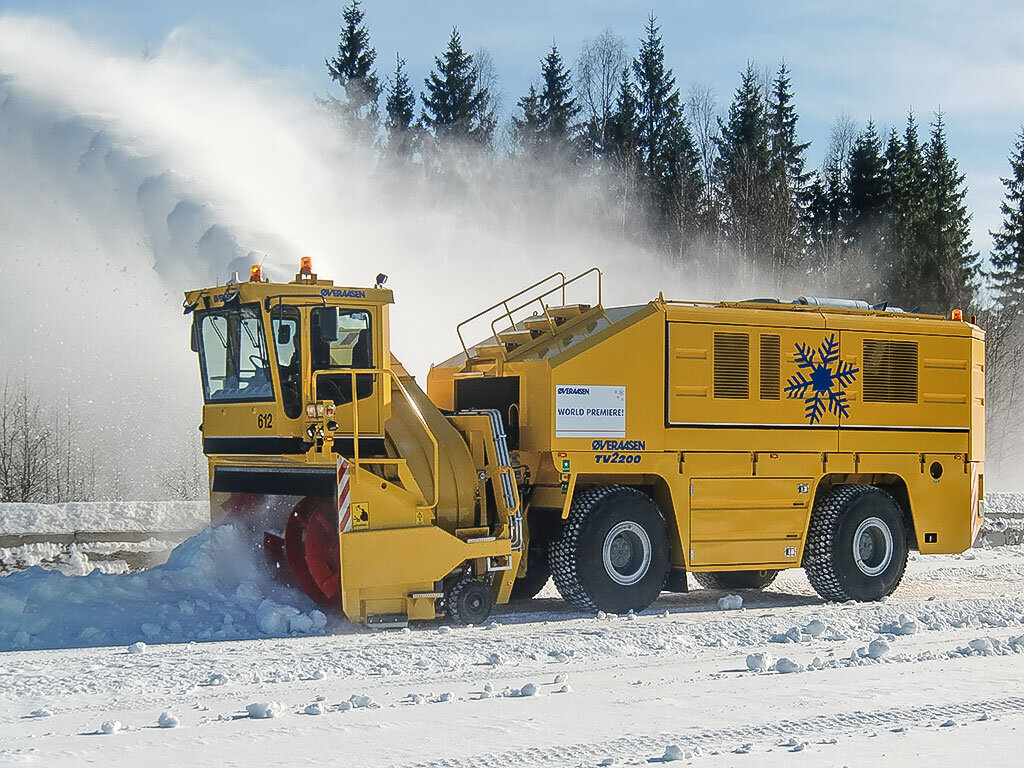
[
  {"x": 732, "y": 365},
  {"x": 771, "y": 380},
  {"x": 890, "y": 371}
]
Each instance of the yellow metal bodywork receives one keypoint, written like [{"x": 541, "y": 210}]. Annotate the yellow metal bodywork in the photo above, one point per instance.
[
  {"x": 732, "y": 460},
  {"x": 736, "y": 477}
]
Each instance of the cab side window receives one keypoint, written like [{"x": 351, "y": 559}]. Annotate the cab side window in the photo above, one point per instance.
[
  {"x": 353, "y": 349},
  {"x": 284, "y": 322}
]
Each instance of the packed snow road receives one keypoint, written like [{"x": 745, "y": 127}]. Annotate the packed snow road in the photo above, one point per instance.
[{"x": 933, "y": 674}]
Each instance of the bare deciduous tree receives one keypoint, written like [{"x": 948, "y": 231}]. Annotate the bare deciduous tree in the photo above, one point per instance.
[{"x": 598, "y": 71}]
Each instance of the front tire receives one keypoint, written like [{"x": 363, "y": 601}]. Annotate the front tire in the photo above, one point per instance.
[
  {"x": 735, "y": 579},
  {"x": 856, "y": 544},
  {"x": 468, "y": 601},
  {"x": 612, "y": 553}
]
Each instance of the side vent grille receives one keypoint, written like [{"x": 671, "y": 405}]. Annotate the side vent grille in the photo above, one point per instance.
[
  {"x": 732, "y": 365},
  {"x": 771, "y": 379},
  {"x": 890, "y": 371}
]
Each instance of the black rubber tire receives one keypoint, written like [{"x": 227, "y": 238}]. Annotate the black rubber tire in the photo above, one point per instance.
[
  {"x": 538, "y": 571},
  {"x": 829, "y": 556},
  {"x": 468, "y": 601},
  {"x": 735, "y": 579},
  {"x": 576, "y": 555}
]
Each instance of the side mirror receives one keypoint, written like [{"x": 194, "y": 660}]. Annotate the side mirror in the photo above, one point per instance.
[
  {"x": 284, "y": 334},
  {"x": 195, "y": 336},
  {"x": 328, "y": 324}
]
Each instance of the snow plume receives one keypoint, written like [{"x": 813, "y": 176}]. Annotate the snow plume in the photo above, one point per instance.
[{"x": 130, "y": 179}]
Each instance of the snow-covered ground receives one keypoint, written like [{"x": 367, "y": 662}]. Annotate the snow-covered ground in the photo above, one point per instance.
[{"x": 930, "y": 677}]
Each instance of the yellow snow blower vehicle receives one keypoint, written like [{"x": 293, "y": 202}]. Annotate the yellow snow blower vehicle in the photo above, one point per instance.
[{"x": 611, "y": 449}]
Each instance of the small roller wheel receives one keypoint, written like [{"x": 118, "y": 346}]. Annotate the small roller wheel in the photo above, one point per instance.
[
  {"x": 468, "y": 601},
  {"x": 735, "y": 579}
]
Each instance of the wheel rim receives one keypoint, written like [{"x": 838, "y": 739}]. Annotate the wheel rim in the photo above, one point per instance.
[
  {"x": 626, "y": 553},
  {"x": 872, "y": 546}
]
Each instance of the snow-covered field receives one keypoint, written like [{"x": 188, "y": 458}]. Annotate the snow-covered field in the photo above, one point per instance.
[{"x": 930, "y": 677}]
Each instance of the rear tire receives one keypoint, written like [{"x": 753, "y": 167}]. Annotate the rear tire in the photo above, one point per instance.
[
  {"x": 856, "y": 544},
  {"x": 612, "y": 553},
  {"x": 735, "y": 579},
  {"x": 538, "y": 571},
  {"x": 468, "y": 601}
]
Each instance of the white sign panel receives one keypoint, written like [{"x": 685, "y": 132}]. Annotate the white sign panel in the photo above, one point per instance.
[{"x": 587, "y": 411}]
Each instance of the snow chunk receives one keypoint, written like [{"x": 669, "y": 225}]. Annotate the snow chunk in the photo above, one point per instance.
[
  {"x": 786, "y": 666},
  {"x": 218, "y": 679},
  {"x": 314, "y": 709},
  {"x": 264, "y": 710},
  {"x": 672, "y": 753},
  {"x": 759, "y": 662},
  {"x": 361, "y": 701},
  {"x": 40, "y": 713},
  {"x": 530, "y": 689},
  {"x": 111, "y": 726},
  {"x": 139, "y": 647},
  {"x": 982, "y": 645},
  {"x": 814, "y": 628},
  {"x": 167, "y": 720},
  {"x": 877, "y": 648},
  {"x": 730, "y": 603}
]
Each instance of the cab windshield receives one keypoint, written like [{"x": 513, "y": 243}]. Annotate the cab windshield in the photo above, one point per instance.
[{"x": 233, "y": 356}]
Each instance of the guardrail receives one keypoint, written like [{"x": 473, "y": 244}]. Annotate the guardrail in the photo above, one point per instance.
[
  {"x": 396, "y": 381},
  {"x": 508, "y": 315}
]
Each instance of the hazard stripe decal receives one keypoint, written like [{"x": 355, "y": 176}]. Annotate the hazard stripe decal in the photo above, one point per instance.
[{"x": 344, "y": 507}]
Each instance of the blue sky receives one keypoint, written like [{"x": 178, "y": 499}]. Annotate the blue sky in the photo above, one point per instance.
[{"x": 870, "y": 59}]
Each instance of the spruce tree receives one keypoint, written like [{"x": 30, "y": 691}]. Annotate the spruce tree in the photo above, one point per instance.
[
  {"x": 558, "y": 107},
  {"x": 743, "y": 171},
  {"x": 528, "y": 125},
  {"x": 906, "y": 189},
  {"x": 865, "y": 215},
  {"x": 668, "y": 160},
  {"x": 789, "y": 178},
  {"x": 453, "y": 105},
  {"x": 1008, "y": 241},
  {"x": 352, "y": 69},
  {"x": 658, "y": 108},
  {"x": 623, "y": 149},
  {"x": 400, "y": 106},
  {"x": 950, "y": 266}
]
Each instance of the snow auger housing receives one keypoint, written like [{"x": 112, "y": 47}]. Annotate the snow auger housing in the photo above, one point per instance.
[{"x": 613, "y": 449}]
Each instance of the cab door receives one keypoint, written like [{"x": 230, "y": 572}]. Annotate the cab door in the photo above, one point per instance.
[{"x": 343, "y": 363}]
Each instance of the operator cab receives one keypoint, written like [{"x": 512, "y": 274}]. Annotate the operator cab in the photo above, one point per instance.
[{"x": 280, "y": 362}]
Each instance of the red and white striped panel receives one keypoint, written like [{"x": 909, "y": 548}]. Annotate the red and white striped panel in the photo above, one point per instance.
[{"x": 344, "y": 503}]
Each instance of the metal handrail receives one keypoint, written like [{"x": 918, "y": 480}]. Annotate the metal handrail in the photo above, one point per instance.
[
  {"x": 504, "y": 303},
  {"x": 354, "y": 372},
  {"x": 544, "y": 307}
]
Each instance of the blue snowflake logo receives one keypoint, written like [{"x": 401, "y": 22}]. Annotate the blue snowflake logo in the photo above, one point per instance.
[{"x": 821, "y": 378}]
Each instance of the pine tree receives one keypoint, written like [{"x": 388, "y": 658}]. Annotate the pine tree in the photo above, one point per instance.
[
  {"x": 789, "y": 179},
  {"x": 527, "y": 127},
  {"x": 453, "y": 106},
  {"x": 743, "y": 170},
  {"x": 559, "y": 108},
  {"x": 352, "y": 69},
  {"x": 866, "y": 200},
  {"x": 400, "y": 106},
  {"x": 906, "y": 189},
  {"x": 658, "y": 108},
  {"x": 1008, "y": 241},
  {"x": 950, "y": 267}
]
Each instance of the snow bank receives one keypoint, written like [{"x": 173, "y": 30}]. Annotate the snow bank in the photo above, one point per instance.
[
  {"x": 114, "y": 516},
  {"x": 211, "y": 588}
]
